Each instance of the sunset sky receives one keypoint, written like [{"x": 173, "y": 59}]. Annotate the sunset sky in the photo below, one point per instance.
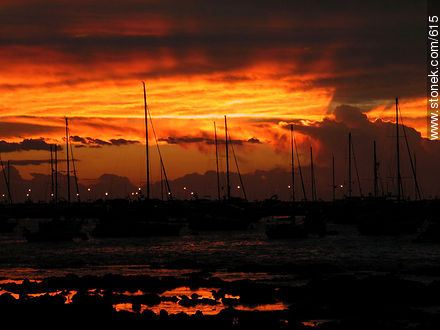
[{"x": 326, "y": 67}]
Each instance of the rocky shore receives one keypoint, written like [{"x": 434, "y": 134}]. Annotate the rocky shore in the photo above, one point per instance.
[{"x": 202, "y": 301}]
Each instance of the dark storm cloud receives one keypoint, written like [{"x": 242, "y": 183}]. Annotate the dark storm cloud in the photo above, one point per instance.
[
  {"x": 25, "y": 145},
  {"x": 332, "y": 139},
  {"x": 79, "y": 139},
  {"x": 91, "y": 142},
  {"x": 253, "y": 140},
  {"x": 204, "y": 140},
  {"x": 122, "y": 142},
  {"x": 364, "y": 50}
]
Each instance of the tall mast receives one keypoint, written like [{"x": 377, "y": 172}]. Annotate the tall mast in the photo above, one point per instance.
[
  {"x": 416, "y": 188},
  {"x": 349, "y": 164},
  {"x": 299, "y": 169},
  {"x": 333, "y": 178},
  {"x": 67, "y": 160},
  {"x": 312, "y": 172},
  {"x": 412, "y": 163},
  {"x": 376, "y": 190},
  {"x": 169, "y": 194},
  {"x": 357, "y": 171},
  {"x": 56, "y": 174},
  {"x": 146, "y": 142},
  {"x": 75, "y": 176},
  {"x": 161, "y": 183},
  {"x": 399, "y": 178},
  {"x": 51, "y": 173},
  {"x": 238, "y": 170},
  {"x": 292, "y": 164},
  {"x": 6, "y": 176},
  {"x": 228, "y": 188},
  {"x": 9, "y": 181},
  {"x": 216, "y": 161}
]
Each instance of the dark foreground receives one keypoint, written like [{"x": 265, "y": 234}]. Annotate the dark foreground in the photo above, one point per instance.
[
  {"x": 324, "y": 302},
  {"x": 372, "y": 268}
]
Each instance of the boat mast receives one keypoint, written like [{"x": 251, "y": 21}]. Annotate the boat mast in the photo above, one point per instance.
[
  {"x": 299, "y": 169},
  {"x": 415, "y": 176},
  {"x": 292, "y": 164},
  {"x": 357, "y": 171},
  {"x": 161, "y": 183},
  {"x": 146, "y": 142},
  {"x": 228, "y": 188},
  {"x": 399, "y": 178},
  {"x": 349, "y": 164},
  {"x": 376, "y": 190},
  {"x": 312, "y": 173},
  {"x": 9, "y": 181},
  {"x": 238, "y": 170},
  {"x": 333, "y": 178},
  {"x": 56, "y": 173},
  {"x": 412, "y": 163},
  {"x": 51, "y": 173},
  {"x": 7, "y": 178},
  {"x": 169, "y": 194},
  {"x": 67, "y": 160},
  {"x": 75, "y": 176},
  {"x": 216, "y": 161}
]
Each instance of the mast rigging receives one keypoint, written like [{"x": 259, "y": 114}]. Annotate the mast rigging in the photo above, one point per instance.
[
  {"x": 216, "y": 161},
  {"x": 67, "y": 160},
  {"x": 146, "y": 142}
]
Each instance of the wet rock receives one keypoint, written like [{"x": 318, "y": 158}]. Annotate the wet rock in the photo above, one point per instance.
[
  {"x": 163, "y": 314},
  {"x": 219, "y": 294},
  {"x": 6, "y": 299},
  {"x": 149, "y": 315}
]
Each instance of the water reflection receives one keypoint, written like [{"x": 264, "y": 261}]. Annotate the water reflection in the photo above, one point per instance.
[
  {"x": 189, "y": 301},
  {"x": 181, "y": 299}
]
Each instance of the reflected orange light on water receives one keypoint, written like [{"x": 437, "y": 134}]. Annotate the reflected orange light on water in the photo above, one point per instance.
[{"x": 216, "y": 307}]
